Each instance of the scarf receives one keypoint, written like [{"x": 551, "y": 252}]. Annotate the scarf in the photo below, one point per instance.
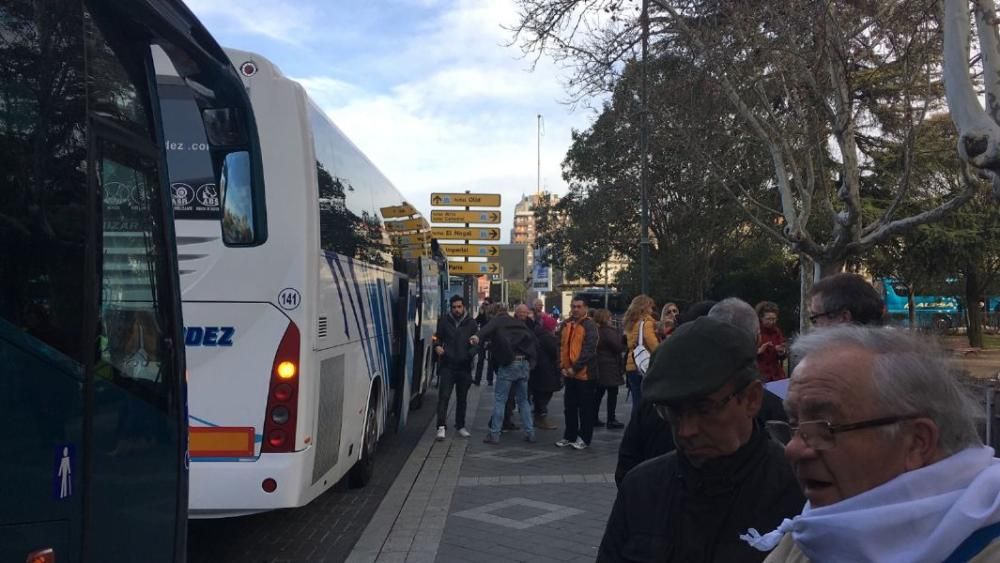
[{"x": 920, "y": 516}]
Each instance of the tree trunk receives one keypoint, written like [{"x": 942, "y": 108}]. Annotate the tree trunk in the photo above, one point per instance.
[
  {"x": 974, "y": 326},
  {"x": 805, "y": 284}
]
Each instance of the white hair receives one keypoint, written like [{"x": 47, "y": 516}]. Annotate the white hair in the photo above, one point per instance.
[
  {"x": 739, "y": 313},
  {"x": 911, "y": 375}
]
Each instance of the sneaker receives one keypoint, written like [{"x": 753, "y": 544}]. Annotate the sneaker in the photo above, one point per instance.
[
  {"x": 615, "y": 425},
  {"x": 440, "y": 434},
  {"x": 530, "y": 438},
  {"x": 579, "y": 444},
  {"x": 562, "y": 443},
  {"x": 463, "y": 432},
  {"x": 491, "y": 439},
  {"x": 598, "y": 423}
]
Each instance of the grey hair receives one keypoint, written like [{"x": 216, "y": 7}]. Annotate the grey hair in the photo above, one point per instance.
[
  {"x": 911, "y": 375},
  {"x": 739, "y": 313}
]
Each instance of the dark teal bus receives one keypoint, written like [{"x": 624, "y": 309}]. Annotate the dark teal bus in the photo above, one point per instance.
[{"x": 92, "y": 382}]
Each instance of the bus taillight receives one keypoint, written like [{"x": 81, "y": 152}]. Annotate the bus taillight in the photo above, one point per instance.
[{"x": 282, "y": 397}]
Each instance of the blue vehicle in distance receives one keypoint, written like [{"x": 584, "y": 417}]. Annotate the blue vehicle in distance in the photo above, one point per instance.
[{"x": 932, "y": 312}]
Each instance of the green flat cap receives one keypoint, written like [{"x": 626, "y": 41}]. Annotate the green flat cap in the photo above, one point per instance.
[{"x": 699, "y": 357}]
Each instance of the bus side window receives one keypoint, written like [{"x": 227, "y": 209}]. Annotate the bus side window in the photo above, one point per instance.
[{"x": 42, "y": 250}]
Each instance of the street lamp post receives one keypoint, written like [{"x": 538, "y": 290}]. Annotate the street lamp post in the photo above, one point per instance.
[{"x": 644, "y": 155}]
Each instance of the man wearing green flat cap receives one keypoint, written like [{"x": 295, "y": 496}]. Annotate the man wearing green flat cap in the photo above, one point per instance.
[{"x": 726, "y": 476}]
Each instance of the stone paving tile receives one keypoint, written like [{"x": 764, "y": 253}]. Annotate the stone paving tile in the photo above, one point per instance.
[{"x": 496, "y": 510}]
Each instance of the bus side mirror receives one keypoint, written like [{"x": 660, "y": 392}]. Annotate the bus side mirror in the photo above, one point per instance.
[{"x": 238, "y": 225}]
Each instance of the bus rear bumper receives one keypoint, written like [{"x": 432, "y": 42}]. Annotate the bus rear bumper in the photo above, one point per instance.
[{"x": 223, "y": 488}]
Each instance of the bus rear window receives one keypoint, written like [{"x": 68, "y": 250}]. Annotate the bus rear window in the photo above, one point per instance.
[{"x": 193, "y": 190}]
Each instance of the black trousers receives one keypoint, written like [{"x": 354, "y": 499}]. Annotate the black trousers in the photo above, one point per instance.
[
  {"x": 461, "y": 380},
  {"x": 482, "y": 361},
  {"x": 578, "y": 400},
  {"x": 612, "y": 402},
  {"x": 542, "y": 399}
]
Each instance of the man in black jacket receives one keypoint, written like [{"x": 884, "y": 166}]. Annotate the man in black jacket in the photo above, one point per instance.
[
  {"x": 455, "y": 355},
  {"x": 485, "y": 310},
  {"x": 514, "y": 349},
  {"x": 726, "y": 476}
]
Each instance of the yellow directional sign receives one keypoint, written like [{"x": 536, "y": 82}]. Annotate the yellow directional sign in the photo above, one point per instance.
[
  {"x": 471, "y": 249},
  {"x": 397, "y": 211},
  {"x": 406, "y": 224},
  {"x": 490, "y": 216},
  {"x": 473, "y": 268},
  {"x": 460, "y": 233},
  {"x": 466, "y": 200},
  {"x": 410, "y": 240}
]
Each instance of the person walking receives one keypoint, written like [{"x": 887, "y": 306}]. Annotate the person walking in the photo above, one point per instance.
[
  {"x": 485, "y": 312},
  {"x": 578, "y": 365},
  {"x": 455, "y": 355},
  {"x": 514, "y": 349},
  {"x": 545, "y": 377},
  {"x": 639, "y": 316},
  {"x": 610, "y": 375},
  {"x": 771, "y": 350}
]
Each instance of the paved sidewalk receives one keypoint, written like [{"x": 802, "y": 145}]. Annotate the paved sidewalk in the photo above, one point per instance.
[{"x": 462, "y": 500}]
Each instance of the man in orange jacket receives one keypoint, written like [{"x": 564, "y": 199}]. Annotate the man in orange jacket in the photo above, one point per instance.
[{"x": 578, "y": 364}]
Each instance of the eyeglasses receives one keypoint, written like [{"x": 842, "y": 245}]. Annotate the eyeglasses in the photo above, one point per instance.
[
  {"x": 820, "y": 434},
  {"x": 703, "y": 409},
  {"x": 817, "y": 316}
]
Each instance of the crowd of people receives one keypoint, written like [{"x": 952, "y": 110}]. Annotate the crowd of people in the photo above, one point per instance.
[{"x": 868, "y": 452}]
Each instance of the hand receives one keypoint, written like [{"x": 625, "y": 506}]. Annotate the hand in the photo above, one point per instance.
[
  {"x": 439, "y": 350},
  {"x": 781, "y": 349},
  {"x": 763, "y": 347},
  {"x": 474, "y": 340}
]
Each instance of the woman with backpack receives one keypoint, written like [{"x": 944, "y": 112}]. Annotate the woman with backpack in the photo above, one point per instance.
[
  {"x": 640, "y": 329},
  {"x": 610, "y": 347}
]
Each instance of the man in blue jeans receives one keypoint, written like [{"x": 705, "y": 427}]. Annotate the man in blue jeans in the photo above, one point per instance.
[{"x": 513, "y": 348}]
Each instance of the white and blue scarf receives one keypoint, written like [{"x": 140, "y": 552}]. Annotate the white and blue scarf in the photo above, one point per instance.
[{"x": 920, "y": 516}]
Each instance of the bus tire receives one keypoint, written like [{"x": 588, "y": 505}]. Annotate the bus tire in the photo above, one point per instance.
[{"x": 364, "y": 468}]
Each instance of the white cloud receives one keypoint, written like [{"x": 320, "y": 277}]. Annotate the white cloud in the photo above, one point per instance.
[{"x": 283, "y": 21}]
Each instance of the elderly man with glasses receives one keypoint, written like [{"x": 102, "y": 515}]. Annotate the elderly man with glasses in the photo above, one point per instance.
[
  {"x": 726, "y": 475},
  {"x": 883, "y": 440}
]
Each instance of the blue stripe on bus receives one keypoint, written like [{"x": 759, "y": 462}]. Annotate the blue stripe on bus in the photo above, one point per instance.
[
  {"x": 354, "y": 309},
  {"x": 367, "y": 339},
  {"x": 202, "y": 420},
  {"x": 340, "y": 294}
]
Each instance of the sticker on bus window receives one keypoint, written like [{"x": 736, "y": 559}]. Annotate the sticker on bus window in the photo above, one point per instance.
[{"x": 63, "y": 470}]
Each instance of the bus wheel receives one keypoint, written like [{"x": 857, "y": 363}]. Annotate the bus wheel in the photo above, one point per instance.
[{"x": 364, "y": 469}]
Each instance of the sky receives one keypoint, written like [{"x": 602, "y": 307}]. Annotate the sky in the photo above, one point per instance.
[{"x": 427, "y": 89}]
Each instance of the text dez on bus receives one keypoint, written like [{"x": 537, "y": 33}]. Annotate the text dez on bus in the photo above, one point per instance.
[
  {"x": 300, "y": 344},
  {"x": 92, "y": 389}
]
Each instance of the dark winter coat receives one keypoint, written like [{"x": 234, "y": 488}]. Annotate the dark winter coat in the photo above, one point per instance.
[
  {"x": 453, "y": 335},
  {"x": 545, "y": 377},
  {"x": 515, "y": 334},
  {"x": 670, "y": 511},
  {"x": 610, "y": 362}
]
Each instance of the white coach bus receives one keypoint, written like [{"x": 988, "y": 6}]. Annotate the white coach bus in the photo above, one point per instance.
[{"x": 306, "y": 336}]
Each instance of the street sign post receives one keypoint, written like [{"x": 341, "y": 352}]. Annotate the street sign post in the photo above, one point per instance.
[
  {"x": 466, "y": 200},
  {"x": 397, "y": 211},
  {"x": 489, "y": 217},
  {"x": 473, "y": 268},
  {"x": 407, "y": 225},
  {"x": 463, "y": 233},
  {"x": 471, "y": 249},
  {"x": 411, "y": 240}
]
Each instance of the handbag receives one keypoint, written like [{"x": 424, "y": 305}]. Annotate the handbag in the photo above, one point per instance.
[{"x": 640, "y": 354}]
